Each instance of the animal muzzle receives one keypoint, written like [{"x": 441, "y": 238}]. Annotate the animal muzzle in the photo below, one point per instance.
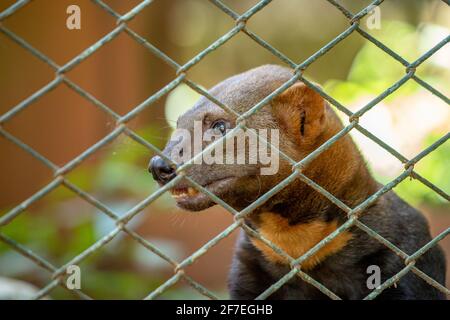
[{"x": 162, "y": 171}]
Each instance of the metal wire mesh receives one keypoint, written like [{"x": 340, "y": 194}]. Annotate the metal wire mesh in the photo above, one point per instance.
[{"x": 121, "y": 223}]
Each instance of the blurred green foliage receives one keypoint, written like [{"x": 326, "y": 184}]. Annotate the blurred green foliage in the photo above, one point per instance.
[
  {"x": 373, "y": 71},
  {"x": 435, "y": 167},
  {"x": 62, "y": 225}
]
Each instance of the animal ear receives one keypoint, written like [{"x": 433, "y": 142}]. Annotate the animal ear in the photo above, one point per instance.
[{"x": 300, "y": 112}]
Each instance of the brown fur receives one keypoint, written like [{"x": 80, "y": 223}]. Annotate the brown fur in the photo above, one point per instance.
[{"x": 297, "y": 217}]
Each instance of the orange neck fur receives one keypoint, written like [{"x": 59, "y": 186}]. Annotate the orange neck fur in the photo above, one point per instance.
[{"x": 296, "y": 240}]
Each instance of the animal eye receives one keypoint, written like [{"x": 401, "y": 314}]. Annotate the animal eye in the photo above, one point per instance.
[{"x": 220, "y": 126}]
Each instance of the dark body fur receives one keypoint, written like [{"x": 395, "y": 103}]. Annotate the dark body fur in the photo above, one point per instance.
[
  {"x": 297, "y": 217},
  {"x": 344, "y": 273}
]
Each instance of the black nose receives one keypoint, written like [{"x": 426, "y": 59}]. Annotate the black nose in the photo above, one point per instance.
[{"x": 161, "y": 170}]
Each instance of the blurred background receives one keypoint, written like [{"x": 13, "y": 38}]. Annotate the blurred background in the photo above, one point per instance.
[{"x": 122, "y": 74}]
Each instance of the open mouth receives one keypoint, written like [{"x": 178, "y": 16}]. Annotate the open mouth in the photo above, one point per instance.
[{"x": 184, "y": 193}]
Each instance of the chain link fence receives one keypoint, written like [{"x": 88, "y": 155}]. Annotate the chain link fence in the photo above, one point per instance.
[{"x": 121, "y": 223}]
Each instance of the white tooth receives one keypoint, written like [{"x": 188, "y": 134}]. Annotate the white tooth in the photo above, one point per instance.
[{"x": 176, "y": 193}]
